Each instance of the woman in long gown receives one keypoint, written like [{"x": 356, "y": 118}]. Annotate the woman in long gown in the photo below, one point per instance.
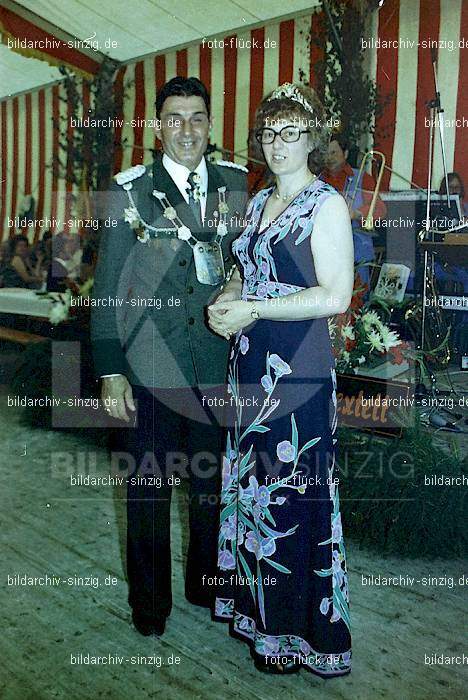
[{"x": 282, "y": 569}]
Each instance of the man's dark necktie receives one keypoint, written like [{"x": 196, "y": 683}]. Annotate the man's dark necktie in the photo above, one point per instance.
[{"x": 194, "y": 197}]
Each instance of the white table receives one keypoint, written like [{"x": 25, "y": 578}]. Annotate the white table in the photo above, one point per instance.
[{"x": 25, "y": 302}]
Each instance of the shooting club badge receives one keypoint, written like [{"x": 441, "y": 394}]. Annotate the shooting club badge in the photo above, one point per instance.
[{"x": 209, "y": 263}]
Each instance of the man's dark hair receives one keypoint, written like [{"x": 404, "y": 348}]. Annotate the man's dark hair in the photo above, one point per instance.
[
  {"x": 10, "y": 248},
  {"x": 342, "y": 141},
  {"x": 451, "y": 177},
  {"x": 182, "y": 87}
]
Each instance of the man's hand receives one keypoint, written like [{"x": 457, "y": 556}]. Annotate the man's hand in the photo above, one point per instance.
[
  {"x": 117, "y": 396},
  {"x": 214, "y": 321},
  {"x": 227, "y": 317},
  {"x": 227, "y": 295}
]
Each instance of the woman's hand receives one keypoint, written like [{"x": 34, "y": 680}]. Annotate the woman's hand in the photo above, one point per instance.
[
  {"x": 227, "y": 295},
  {"x": 227, "y": 317}
]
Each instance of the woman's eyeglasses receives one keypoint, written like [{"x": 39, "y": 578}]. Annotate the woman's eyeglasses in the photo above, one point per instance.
[{"x": 288, "y": 134}]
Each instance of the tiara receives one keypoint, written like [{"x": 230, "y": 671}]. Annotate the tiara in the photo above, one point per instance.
[{"x": 291, "y": 92}]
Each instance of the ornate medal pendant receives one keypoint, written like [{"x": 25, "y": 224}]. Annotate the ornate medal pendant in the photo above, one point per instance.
[{"x": 209, "y": 263}]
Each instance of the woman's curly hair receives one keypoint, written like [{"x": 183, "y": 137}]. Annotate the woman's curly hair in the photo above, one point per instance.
[{"x": 271, "y": 110}]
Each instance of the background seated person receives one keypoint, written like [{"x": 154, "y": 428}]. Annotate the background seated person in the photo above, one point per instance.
[
  {"x": 43, "y": 252},
  {"x": 16, "y": 269},
  {"x": 90, "y": 253},
  {"x": 58, "y": 275},
  {"x": 74, "y": 264},
  {"x": 340, "y": 175},
  {"x": 456, "y": 186},
  {"x": 453, "y": 279}
]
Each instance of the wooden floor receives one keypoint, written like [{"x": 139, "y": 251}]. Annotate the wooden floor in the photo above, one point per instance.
[{"x": 50, "y": 527}]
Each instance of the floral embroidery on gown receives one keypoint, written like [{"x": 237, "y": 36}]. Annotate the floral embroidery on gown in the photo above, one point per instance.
[{"x": 281, "y": 560}]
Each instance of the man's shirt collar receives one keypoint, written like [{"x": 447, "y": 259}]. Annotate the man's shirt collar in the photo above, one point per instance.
[{"x": 179, "y": 173}]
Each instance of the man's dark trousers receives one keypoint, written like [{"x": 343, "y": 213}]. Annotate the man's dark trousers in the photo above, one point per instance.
[{"x": 167, "y": 440}]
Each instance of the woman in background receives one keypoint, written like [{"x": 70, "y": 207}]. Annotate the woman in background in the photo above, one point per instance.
[
  {"x": 42, "y": 253},
  {"x": 17, "y": 270}
]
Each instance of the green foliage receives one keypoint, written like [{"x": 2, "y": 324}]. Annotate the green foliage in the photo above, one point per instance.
[
  {"x": 385, "y": 502},
  {"x": 349, "y": 95},
  {"x": 86, "y": 153}
]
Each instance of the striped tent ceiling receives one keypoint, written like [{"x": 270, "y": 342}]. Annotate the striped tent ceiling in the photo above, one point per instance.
[
  {"x": 237, "y": 79},
  {"x": 126, "y": 30}
]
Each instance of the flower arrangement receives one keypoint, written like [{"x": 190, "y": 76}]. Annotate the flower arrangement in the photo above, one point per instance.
[
  {"x": 61, "y": 307},
  {"x": 360, "y": 337}
]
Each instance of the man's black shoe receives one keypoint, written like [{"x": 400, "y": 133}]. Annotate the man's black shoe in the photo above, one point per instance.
[
  {"x": 159, "y": 626},
  {"x": 143, "y": 625}
]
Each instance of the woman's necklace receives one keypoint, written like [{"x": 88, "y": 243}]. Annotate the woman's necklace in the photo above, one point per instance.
[{"x": 287, "y": 197}]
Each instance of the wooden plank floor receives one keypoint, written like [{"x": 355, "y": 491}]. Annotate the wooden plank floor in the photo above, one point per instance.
[{"x": 50, "y": 527}]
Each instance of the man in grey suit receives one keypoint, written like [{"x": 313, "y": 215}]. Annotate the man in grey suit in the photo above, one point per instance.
[{"x": 158, "y": 269}]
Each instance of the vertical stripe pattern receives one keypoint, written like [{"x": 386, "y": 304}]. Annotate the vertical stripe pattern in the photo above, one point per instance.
[{"x": 238, "y": 70}]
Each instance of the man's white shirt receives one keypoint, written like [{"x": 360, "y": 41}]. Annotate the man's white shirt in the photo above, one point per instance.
[{"x": 179, "y": 173}]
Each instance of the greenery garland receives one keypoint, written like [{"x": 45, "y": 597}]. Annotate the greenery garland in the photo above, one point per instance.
[
  {"x": 86, "y": 152},
  {"x": 342, "y": 82}
]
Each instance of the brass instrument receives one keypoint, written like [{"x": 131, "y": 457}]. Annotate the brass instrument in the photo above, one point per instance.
[{"x": 368, "y": 223}]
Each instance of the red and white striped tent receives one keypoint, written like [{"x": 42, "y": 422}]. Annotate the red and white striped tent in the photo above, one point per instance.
[{"x": 237, "y": 73}]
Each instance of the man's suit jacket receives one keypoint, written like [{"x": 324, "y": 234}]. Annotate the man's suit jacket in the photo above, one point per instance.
[{"x": 165, "y": 343}]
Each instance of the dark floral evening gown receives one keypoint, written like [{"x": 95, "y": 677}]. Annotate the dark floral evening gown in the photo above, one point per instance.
[{"x": 281, "y": 563}]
